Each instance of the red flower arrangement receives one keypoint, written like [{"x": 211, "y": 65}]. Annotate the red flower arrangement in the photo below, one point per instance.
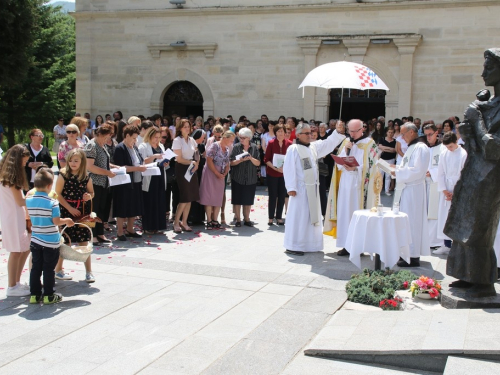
[{"x": 390, "y": 304}]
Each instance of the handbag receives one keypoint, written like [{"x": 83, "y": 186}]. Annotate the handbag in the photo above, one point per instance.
[
  {"x": 322, "y": 168},
  {"x": 76, "y": 253}
]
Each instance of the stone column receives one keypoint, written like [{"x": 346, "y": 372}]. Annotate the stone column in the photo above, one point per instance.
[
  {"x": 357, "y": 48},
  {"x": 83, "y": 66},
  {"x": 310, "y": 50},
  {"x": 406, "y": 48}
]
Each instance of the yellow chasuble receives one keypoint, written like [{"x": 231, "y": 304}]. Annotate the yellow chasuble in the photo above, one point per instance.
[{"x": 366, "y": 198}]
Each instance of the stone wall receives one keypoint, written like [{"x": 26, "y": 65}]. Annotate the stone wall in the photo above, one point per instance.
[{"x": 251, "y": 60}]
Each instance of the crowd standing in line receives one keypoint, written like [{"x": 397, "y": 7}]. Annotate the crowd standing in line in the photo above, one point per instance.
[{"x": 190, "y": 187}]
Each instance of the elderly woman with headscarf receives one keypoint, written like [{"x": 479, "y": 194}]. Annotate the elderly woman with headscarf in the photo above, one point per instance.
[
  {"x": 197, "y": 211},
  {"x": 153, "y": 187},
  {"x": 244, "y": 160}
]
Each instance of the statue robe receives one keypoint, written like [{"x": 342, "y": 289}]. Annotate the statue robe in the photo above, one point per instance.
[
  {"x": 414, "y": 197},
  {"x": 475, "y": 207},
  {"x": 300, "y": 233}
]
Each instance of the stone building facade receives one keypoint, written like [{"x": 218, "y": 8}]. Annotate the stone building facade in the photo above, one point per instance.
[{"x": 249, "y": 57}]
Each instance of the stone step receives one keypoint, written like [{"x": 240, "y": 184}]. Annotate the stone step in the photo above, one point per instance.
[
  {"x": 466, "y": 366},
  {"x": 413, "y": 339}
]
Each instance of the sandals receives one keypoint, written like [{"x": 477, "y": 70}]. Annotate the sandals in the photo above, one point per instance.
[
  {"x": 237, "y": 224},
  {"x": 209, "y": 225},
  {"x": 215, "y": 224},
  {"x": 131, "y": 234},
  {"x": 185, "y": 228},
  {"x": 177, "y": 229},
  {"x": 248, "y": 223}
]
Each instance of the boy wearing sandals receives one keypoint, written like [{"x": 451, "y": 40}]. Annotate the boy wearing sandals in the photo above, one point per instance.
[{"x": 45, "y": 217}]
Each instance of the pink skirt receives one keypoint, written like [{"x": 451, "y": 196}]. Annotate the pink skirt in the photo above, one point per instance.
[{"x": 211, "y": 189}]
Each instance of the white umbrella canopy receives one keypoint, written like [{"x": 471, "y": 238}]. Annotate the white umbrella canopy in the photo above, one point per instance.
[{"x": 344, "y": 75}]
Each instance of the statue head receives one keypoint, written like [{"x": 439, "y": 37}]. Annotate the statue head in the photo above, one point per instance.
[{"x": 491, "y": 72}]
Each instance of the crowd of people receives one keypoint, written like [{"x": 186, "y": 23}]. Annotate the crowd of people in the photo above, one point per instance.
[{"x": 292, "y": 157}]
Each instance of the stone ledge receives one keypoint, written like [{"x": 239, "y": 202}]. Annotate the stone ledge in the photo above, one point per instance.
[{"x": 455, "y": 298}]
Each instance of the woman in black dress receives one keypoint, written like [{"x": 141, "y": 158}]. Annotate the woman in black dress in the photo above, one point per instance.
[
  {"x": 127, "y": 198},
  {"x": 197, "y": 211},
  {"x": 153, "y": 187}
]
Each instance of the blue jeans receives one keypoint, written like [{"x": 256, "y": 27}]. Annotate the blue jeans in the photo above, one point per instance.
[{"x": 44, "y": 261}]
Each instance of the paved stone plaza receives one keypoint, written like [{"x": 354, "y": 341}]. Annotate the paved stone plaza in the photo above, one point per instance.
[{"x": 212, "y": 302}]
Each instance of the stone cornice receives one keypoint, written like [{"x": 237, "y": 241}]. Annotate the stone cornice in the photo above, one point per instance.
[
  {"x": 207, "y": 48},
  {"x": 281, "y": 9}
]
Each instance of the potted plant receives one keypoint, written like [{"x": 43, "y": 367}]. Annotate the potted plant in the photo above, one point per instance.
[{"x": 425, "y": 288}]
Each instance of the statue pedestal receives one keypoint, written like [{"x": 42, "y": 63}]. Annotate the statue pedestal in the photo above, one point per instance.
[{"x": 455, "y": 298}]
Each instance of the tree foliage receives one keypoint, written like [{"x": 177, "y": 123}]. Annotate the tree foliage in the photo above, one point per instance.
[
  {"x": 17, "y": 20},
  {"x": 48, "y": 88}
]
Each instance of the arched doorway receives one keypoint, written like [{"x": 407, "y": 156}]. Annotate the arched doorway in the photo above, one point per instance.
[
  {"x": 364, "y": 105},
  {"x": 183, "y": 98}
]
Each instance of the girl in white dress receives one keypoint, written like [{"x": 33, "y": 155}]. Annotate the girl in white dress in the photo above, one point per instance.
[{"x": 16, "y": 239}]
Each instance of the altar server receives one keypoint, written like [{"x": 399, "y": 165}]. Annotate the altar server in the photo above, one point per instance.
[
  {"x": 411, "y": 193},
  {"x": 431, "y": 183},
  {"x": 450, "y": 166},
  {"x": 352, "y": 184},
  {"x": 303, "y": 227}
]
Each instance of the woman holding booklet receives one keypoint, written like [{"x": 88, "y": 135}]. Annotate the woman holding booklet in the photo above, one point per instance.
[
  {"x": 213, "y": 178},
  {"x": 127, "y": 198},
  {"x": 154, "y": 185},
  {"x": 244, "y": 158},
  {"x": 186, "y": 164},
  {"x": 274, "y": 157},
  {"x": 98, "y": 165}
]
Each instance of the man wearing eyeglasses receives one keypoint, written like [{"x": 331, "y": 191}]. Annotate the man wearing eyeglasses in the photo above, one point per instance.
[
  {"x": 351, "y": 183},
  {"x": 304, "y": 228},
  {"x": 411, "y": 193},
  {"x": 431, "y": 183}
]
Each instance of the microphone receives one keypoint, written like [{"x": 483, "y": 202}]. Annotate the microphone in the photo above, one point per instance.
[{"x": 349, "y": 150}]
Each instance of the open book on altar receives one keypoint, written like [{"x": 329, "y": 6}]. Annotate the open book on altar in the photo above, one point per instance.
[
  {"x": 386, "y": 167},
  {"x": 348, "y": 161}
]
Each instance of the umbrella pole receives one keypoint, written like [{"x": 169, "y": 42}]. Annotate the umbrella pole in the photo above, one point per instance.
[{"x": 341, "y": 99}]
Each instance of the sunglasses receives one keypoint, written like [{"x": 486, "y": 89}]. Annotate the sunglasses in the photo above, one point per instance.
[
  {"x": 38, "y": 135},
  {"x": 164, "y": 137},
  {"x": 71, "y": 132}
]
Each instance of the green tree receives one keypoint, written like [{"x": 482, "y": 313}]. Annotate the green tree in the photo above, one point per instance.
[
  {"x": 48, "y": 88},
  {"x": 17, "y": 20}
]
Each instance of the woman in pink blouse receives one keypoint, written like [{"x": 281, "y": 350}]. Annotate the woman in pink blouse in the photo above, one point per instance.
[{"x": 72, "y": 133}]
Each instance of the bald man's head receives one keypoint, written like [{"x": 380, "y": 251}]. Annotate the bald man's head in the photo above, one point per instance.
[{"x": 355, "y": 129}]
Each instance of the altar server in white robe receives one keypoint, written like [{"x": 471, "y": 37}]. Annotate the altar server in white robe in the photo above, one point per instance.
[
  {"x": 304, "y": 227},
  {"x": 450, "y": 166},
  {"x": 411, "y": 193},
  {"x": 431, "y": 182},
  {"x": 352, "y": 184}
]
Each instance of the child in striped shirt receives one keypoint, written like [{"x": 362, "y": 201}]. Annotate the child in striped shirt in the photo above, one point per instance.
[{"x": 45, "y": 238}]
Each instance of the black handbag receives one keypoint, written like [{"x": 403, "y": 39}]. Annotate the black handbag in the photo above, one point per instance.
[{"x": 322, "y": 168}]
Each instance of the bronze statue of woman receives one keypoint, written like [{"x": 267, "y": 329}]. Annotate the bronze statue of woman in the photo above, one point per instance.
[{"x": 475, "y": 207}]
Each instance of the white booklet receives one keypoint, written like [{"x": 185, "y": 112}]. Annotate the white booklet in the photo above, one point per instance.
[
  {"x": 119, "y": 179},
  {"x": 386, "y": 167},
  {"x": 169, "y": 154},
  {"x": 278, "y": 160},
  {"x": 151, "y": 171},
  {"x": 242, "y": 155},
  {"x": 189, "y": 173},
  {"x": 119, "y": 170}
]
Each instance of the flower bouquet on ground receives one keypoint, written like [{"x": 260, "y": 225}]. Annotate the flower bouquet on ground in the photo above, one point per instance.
[
  {"x": 391, "y": 304},
  {"x": 425, "y": 288}
]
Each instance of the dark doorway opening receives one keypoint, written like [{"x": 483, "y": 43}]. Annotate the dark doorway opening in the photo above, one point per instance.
[
  {"x": 360, "y": 104},
  {"x": 183, "y": 99}
]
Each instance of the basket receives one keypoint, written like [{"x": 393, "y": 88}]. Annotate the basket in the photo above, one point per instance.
[
  {"x": 86, "y": 219},
  {"x": 75, "y": 253}
]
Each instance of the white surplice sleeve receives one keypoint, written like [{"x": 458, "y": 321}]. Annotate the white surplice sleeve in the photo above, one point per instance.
[
  {"x": 442, "y": 171},
  {"x": 324, "y": 147},
  {"x": 290, "y": 166},
  {"x": 420, "y": 165}
]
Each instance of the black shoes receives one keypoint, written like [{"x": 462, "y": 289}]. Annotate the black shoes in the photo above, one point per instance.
[
  {"x": 293, "y": 252},
  {"x": 122, "y": 238},
  {"x": 414, "y": 262},
  {"x": 103, "y": 240},
  {"x": 343, "y": 252},
  {"x": 134, "y": 235}
]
